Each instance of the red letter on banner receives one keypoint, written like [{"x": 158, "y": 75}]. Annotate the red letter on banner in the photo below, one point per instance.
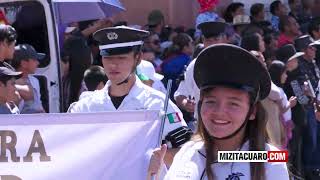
[{"x": 278, "y": 156}]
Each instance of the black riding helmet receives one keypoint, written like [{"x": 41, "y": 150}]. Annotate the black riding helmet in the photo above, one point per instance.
[
  {"x": 231, "y": 66},
  {"x": 234, "y": 67}
]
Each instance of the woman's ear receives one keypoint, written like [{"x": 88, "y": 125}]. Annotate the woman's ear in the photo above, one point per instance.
[
  {"x": 138, "y": 58},
  {"x": 254, "y": 113},
  {"x": 199, "y": 108}
]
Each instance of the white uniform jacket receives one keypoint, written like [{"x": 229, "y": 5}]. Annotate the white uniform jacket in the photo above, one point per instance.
[
  {"x": 140, "y": 97},
  {"x": 189, "y": 164},
  {"x": 188, "y": 87}
]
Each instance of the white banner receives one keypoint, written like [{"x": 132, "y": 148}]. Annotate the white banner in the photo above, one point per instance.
[{"x": 96, "y": 146}]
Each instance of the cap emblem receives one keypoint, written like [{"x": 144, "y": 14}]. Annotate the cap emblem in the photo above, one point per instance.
[{"x": 112, "y": 36}]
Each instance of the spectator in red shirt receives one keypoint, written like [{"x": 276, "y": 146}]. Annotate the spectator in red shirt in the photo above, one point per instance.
[{"x": 289, "y": 30}]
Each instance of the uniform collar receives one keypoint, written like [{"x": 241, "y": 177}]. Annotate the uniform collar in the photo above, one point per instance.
[
  {"x": 134, "y": 92},
  {"x": 202, "y": 152}
]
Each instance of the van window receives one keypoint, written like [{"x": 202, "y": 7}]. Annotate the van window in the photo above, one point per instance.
[{"x": 29, "y": 20}]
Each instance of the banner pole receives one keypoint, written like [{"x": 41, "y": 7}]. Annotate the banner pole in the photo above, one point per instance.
[
  {"x": 163, "y": 114},
  {"x": 164, "y": 111}
]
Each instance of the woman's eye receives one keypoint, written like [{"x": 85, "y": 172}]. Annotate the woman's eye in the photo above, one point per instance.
[
  {"x": 234, "y": 104},
  {"x": 210, "y": 102}
]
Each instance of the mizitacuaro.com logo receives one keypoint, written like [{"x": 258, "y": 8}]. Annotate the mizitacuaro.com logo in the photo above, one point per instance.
[{"x": 252, "y": 156}]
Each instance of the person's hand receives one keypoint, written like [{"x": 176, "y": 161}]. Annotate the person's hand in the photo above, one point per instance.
[
  {"x": 156, "y": 161},
  {"x": 189, "y": 105},
  {"x": 292, "y": 101},
  {"x": 317, "y": 114},
  {"x": 316, "y": 106},
  {"x": 307, "y": 90}
]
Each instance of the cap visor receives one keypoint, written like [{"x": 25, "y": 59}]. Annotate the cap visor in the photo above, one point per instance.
[
  {"x": 69, "y": 29},
  {"x": 298, "y": 54},
  {"x": 315, "y": 43},
  {"x": 157, "y": 77},
  {"x": 16, "y": 75},
  {"x": 143, "y": 77},
  {"x": 40, "y": 56}
]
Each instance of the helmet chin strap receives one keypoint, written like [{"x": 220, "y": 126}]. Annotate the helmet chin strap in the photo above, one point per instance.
[
  {"x": 126, "y": 80},
  {"x": 236, "y": 131}
]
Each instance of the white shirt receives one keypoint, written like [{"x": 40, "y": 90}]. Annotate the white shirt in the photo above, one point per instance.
[
  {"x": 275, "y": 93},
  {"x": 140, "y": 97},
  {"x": 35, "y": 105},
  {"x": 188, "y": 87},
  {"x": 189, "y": 164},
  {"x": 287, "y": 116},
  {"x": 85, "y": 94},
  {"x": 158, "y": 85}
]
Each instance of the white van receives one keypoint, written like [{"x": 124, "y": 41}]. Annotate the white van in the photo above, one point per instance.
[{"x": 36, "y": 24}]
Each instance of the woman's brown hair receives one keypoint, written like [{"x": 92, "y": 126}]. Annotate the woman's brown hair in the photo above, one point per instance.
[{"x": 255, "y": 133}]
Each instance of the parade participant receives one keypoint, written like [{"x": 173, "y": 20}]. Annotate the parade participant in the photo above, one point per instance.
[
  {"x": 26, "y": 59},
  {"x": 257, "y": 12},
  {"x": 207, "y": 8},
  {"x": 240, "y": 23},
  {"x": 277, "y": 9},
  {"x": 288, "y": 55},
  {"x": 148, "y": 75},
  {"x": 156, "y": 21},
  {"x": 278, "y": 74},
  {"x": 152, "y": 42},
  {"x": 289, "y": 30},
  {"x": 95, "y": 79},
  {"x": 120, "y": 48},
  {"x": 231, "y": 118},
  {"x": 213, "y": 33},
  {"x": 76, "y": 59},
  {"x": 314, "y": 31},
  {"x": 233, "y": 10},
  {"x": 7, "y": 89},
  {"x": 309, "y": 73},
  {"x": 295, "y": 8},
  {"x": 8, "y": 37},
  {"x": 176, "y": 58}
]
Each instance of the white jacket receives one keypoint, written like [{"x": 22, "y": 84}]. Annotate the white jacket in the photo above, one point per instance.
[
  {"x": 189, "y": 164},
  {"x": 140, "y": 97}
]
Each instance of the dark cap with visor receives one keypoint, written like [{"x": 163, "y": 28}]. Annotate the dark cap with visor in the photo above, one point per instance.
[
  {"x": 119, "y": 40},
  {"x": 231, "y": 66}
]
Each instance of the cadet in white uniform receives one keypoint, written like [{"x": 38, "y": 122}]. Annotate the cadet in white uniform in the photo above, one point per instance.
[
  {"x": 120, "y": 48},
  {"x": 232, "y": 83},
  {"x": 213, "y": 33}
]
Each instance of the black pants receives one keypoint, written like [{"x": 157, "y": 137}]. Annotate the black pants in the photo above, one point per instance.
[
  {"x": 295, "y": 152},
  {"x": 312, "y": 174}
]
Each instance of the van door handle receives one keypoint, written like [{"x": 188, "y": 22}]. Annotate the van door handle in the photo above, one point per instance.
[{"x": 52, "y": 83}]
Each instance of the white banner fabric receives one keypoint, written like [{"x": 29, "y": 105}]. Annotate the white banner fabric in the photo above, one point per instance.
[{"x": 84, "y": 146}]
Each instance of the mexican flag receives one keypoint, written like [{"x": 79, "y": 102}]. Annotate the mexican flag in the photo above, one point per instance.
[{"x": 173, "y": 118}]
